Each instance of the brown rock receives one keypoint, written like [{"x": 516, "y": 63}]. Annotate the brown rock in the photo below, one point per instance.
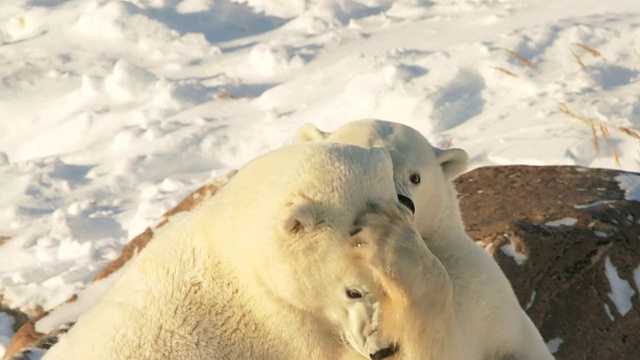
[
  {"x": 25, "y": 337},
  {"x": 566, "y": 264},
  {"x": 134, "y": 246}
]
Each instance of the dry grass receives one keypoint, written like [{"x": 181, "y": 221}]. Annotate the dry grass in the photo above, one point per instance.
[
  {"x": 636, "y": 51},
  {"x": 615, "y": 155},
  {"x": 447, "y": 144},
  {"x": 599, "y": 130},
  {"x": 564, "y": 108},
  {"x": 578, "y": 60},
  {"x": 588, "y": 121},
  {"x": 505, "y": 71},
  {"x": 604, "y": 130},
  {"x": 602, "y": 127},
  {"x": 590, "y": 50},
  {"x": 629, "y": 131},
  {"x": 520, "y": 57}
]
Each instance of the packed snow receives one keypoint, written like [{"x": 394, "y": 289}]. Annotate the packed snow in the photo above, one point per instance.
[
  {"x": 554, "y": 345},
  {"x": 621, "y": 291},
  {"x": 630, "y": 183},
  {"x": 6, "y": 331},
  {"x": 636, "y": 278},
  {"x": 511, "y": 251},
  {"x": 594, "y": 204},
  {"x": 567, "y": 221},
  {"x": 531, "y": 300},
  {"x": 112, "y": 111}
]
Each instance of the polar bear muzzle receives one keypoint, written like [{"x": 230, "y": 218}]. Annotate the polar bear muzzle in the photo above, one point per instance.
[
  {"x": 406, "y": 201},
  {"x": 384, "y": 353}
]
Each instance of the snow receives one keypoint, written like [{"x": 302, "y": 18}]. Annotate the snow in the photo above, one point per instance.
[
  {"x": 554, "y": 345},
  {"x": 511, "y": 251},
  {"x": 113, "y": 111},
  {"x": 594, "y": 204},
  {"x": 607, "y": 310},
  {"x": 6, "y": 332},
  {"x": 87, "y": 297},
  {"x": 621, "y": 291},
  {"x": 567, "y": 221},
  {"x": 601, "y": 234},
  {"x": 636, "y": 278},
  {"x": 630, "y": 183},
  {"x": 531, "y": 300}
]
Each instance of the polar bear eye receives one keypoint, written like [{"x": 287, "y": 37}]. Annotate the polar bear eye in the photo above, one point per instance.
[
  {"x": 415, "y": 179},
  {"x": 353, "y": 294}
]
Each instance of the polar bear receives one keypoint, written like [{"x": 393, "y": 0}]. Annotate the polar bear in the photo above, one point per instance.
[
  {"x": 495, "y": 325},
  {"x": 304, "y": 254}
]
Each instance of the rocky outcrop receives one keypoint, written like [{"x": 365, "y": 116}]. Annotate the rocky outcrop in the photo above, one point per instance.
[
  {"x": 569, "y": 241},
  {"x": 567, "y": 238}
]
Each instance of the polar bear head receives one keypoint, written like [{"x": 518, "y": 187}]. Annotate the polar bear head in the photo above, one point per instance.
[
  {"x": 314, "y": 236},
  {"x": 397, "y": 278},
  {"x": 422, "y": 173}
]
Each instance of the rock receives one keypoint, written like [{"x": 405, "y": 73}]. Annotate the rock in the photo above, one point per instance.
[
  {"x": 571, "y": 224},
  {"x": 566, "y": 238}
]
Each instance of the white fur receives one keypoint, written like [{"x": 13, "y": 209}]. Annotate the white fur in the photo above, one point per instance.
[
  {"x": 487, "y": 311},
  {"x": 259, "y": 271}
]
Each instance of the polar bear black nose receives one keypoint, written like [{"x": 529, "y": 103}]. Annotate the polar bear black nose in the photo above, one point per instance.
[
  {"x": 383, "y": 353},
  {"x": 407, "y": 202}
]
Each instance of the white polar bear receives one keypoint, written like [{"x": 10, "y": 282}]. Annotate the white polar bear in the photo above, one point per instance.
[
  {"x": 495, "y": 325},
  {"x": 304, "y": 254}
]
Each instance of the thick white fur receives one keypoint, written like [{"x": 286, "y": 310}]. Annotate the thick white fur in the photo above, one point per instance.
[
  {"x": 259, "y": 271},
  {"x": 487, "y": 311}
]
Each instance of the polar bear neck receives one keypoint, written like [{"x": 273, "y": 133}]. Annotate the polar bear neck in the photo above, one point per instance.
[{"x": 443, "y": 221}]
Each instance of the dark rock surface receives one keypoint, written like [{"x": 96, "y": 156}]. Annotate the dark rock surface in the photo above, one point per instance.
[{"x": 565, "y": 266}]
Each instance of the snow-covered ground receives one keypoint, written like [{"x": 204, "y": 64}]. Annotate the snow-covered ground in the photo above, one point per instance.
[{"x": 112, "y": 111}]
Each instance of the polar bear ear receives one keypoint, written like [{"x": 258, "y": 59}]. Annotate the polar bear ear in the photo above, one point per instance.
[
  {"x": 452, "y": 161},
  {"x": 308, "y": 132},
  {"x": 299, "y": 216}
]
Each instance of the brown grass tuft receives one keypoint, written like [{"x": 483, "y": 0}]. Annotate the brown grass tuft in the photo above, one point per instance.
[
  {"x": 575, "y": 56},
  {"x": 605, "y": 134},
  {"x": 615, "y": 155},
  {"x": 447, "y": 144},
  {"x": 505, "y": 71},
  {"x": 629, "y": 131},
  {"x": 594, "y": 135},
  {"x": 520, "y": 57},
  {"x": 564, "y": 108},
  {"x": 590, "y": 50},
  {"x": 604, "y": 130},
  {"x": 588, "y": 121},
  {"x": 635, "y": 50},
  {"x": 602, "y": 127}
]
